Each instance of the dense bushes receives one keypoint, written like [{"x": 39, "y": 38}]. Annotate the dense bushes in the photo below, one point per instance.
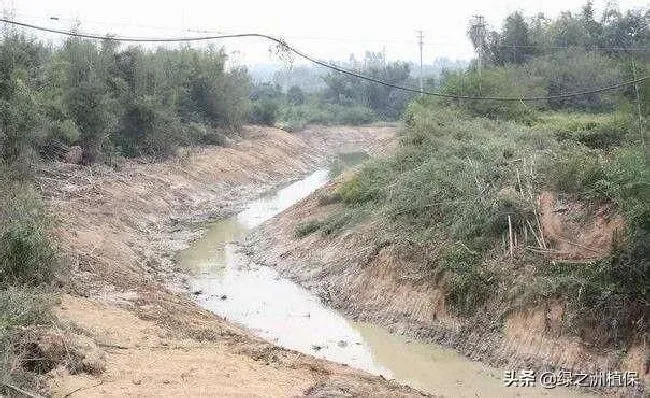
[
  {"x": 132, "y": 101},
  {"x": 27, "y": 257},
  {"x": 384, "y": 101},
  {"x": 293, "y": 110},
  {"x": 29, "y": 264},
  {"x": 296, "y": 117},
  {"x": 457, "y": 184},
  {"x": 540, "y": 57},
  {"x": 498, "y": 82}
]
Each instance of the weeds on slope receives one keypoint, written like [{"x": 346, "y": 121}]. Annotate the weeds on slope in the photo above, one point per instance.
[
  {"x": 28, "y": 266},
  {"x": 464, "y": 192}
]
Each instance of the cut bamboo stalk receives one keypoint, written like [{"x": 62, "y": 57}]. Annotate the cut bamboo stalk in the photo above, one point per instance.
[
  {"x": 532, "y": 230},
  {"x": 525, "y": 235},
  {"x": 510, "y": 234}
]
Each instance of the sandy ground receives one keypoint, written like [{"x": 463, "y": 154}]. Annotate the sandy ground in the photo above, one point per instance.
[{"x": 120, "y": 229}]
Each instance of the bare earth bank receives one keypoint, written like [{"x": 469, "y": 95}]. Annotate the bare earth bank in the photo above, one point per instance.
[{"x": 129, "y": 332}]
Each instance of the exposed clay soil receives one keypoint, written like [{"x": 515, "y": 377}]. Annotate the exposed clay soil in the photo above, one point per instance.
[
  {"x": 359, "y": 273},
  {"x": 572, "y": 238},
  {"x": 120, "y": 229}
]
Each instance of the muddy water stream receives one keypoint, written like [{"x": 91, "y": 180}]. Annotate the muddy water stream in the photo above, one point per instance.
[{"x": 288, "y": 315}]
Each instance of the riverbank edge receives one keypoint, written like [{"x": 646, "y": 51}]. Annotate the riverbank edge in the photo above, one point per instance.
[
  {"x": 94, "y": 226},
  {"x": 330, "y": 279}
]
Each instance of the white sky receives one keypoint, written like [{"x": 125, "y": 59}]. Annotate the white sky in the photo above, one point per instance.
[{"x": 329, "y": 29}]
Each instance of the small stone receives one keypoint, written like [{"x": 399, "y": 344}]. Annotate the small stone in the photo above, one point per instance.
[
  {"x": 197, "y": 292},
  {"x": 316, "y": 347},
  {"x": 223, "y": 297}
]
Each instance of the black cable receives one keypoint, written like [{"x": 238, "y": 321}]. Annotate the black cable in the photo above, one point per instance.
[{"x": 309, "y": 58}]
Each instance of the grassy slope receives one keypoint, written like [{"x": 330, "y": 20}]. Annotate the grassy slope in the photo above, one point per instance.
[
  {"x": 28, "y": 264},
  {"x": 456, "y": 185}
]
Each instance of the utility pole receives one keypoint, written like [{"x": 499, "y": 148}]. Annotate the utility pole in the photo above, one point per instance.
[
  {"x": 480, "y": 25},
  {"x": 638, "y": 105},
  {"x": 421, "y": 43}
]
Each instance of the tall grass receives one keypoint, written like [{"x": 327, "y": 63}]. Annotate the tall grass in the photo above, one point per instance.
[
  {"x": 458, "y": 185},
  {"x": 28, "y": 265}
]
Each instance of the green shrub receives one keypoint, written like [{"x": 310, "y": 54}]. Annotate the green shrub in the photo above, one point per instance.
[
  {"x": 295, "y": 118},
  {"x": 468, "y": 282},
  {"x": 265, "y": 111},
  {"x": 20, "y": 310},
  {"x": 336, "y": 222},
  {"x": 593, "y": 131},
  {"x": 575, "y": 171},
  {"x": 146, "y": 130},
  {"x": 307, "y": 227},
  {"x": 27, "y": 255},
  {"x": 499, "y": 82},
  {"x": 352, "y": 115},
  {"x": 22, "y": 307}
]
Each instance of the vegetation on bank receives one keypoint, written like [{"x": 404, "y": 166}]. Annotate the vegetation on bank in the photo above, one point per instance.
[
  {"x": 459, "y": 199},
  {"x": 448, "y": 199},
  {"x": 29, "y": 266},
  {"x": 345, "y": 99},
  {"x": 111, "y": 101}
]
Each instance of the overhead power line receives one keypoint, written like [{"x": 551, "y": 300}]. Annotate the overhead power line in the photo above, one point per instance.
[
  {"x": 315, "y": 61},
  {"x": 347, "y": 39}
]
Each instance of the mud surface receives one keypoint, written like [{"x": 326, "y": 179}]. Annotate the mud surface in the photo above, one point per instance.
[
  {"x": 286, "y": 314},
  {"x": 120, "y": 230},
  {"x": 359, "y": 273}
]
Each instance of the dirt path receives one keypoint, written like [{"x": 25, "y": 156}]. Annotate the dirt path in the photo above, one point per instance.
[{"x": 120, "y": 229}]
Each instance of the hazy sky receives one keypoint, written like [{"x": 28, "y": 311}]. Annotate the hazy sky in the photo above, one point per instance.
[{"x": 329, "y": 29}]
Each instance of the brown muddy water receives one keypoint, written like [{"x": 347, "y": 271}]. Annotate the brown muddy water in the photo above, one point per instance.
[{"x": 288, "y": 315}]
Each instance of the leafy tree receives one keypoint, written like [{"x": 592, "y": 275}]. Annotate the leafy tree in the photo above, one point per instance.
[
  {"x": 515, "y": 38},
  {"x": 592, "y": 28},
  {"x": 20, "y": 116},
  {"x": 385, "y": 101},
  {"x": 568, "y": 31},
  {"x": 86, "y": 94},
  {"x": 295, "y": 96}
]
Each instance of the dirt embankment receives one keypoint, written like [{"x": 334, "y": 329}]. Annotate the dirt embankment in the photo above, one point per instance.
[
  {"x": 120, "y": 229},
  {"x": 359, "y": 272}
]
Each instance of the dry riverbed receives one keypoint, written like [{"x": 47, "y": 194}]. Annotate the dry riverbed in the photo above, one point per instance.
[{"x": 120, "y": 230}]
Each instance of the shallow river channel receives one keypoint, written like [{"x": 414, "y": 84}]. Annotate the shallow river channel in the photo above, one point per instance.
[{"x": 284, "y": 313}]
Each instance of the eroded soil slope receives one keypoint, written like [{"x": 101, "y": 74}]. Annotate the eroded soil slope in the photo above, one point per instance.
[
  {"x": 120, "y": 229},
  {"x": 359, "y": 271}
]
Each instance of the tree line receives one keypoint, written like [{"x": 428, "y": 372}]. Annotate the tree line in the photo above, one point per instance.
[
  {"x": 520, "y": 39},
  {"x": 342, "y": 99},
  {"x": 109, "y": 100},
  {"x": 544, "y": 57}
]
